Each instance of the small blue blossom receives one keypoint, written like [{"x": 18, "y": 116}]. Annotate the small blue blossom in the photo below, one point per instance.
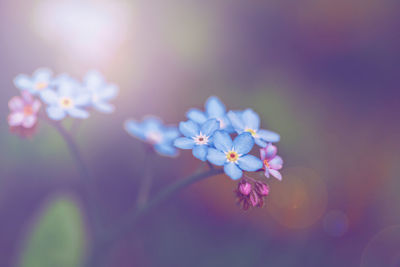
[
  {"x": 69, "y": 98},
  {"x": 151, "y": 130},
  {"x": 215, "y": 109},
  {"x": 198, "y": 137},
  {"x": 100, "y": 91},
  {"x": 40, "y": 81},
  {"x": 249, "y": 121},
  {"x": 234, "y": 155}
]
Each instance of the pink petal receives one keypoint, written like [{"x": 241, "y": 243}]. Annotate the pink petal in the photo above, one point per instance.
[
  {"x": 276, "y": 174},
  {"x": 276, "y": 163},
  {"x": 266, "y": 173},
  {"x": 16, "y": 103},
  {"x": 27, "y": 97},
  {"x": 29, "y": 121},
  {"x": 271, "y": 151},
  {"x": 15, "y": 118},
  {"x": 263, "y": 154},
  {"x": 36, "y": 106}
]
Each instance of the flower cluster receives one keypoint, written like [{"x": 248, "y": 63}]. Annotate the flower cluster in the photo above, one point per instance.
[
  {"x": 223, "y": 138},
  {"x": 251, "y": 193},
  {"x": 63, "y": 96}
]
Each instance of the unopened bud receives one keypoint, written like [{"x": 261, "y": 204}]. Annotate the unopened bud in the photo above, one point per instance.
[
  {"x": 244, "y": 188},
  {"x": 262, "y": 189}
]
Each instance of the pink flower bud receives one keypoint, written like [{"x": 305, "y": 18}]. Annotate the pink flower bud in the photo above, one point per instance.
[
  {"x": 262, "y": 189},
  {"x": 254, "y": 198},
  {"x": 244, "y": 188}
]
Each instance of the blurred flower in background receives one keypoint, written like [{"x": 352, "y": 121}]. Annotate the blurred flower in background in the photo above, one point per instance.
[
  {"x": 39, "y": 81},
  {"x": 24, "y": 110},
  {"x": 152, "y": 131}
]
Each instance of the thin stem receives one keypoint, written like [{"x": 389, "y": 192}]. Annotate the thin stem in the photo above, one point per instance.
[
  {"x": 144, "y": 188},
  {"x": 128, "y": 224},
  {"x": 86, "y": 177}
]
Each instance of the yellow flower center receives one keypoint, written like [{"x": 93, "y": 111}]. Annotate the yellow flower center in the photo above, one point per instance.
[
  {"x": 66, "y": 102},
  {"x": 266, "y": 164},
  {"x": 28, "y": 110},
  {"x": 232, "y": 156},
  {"x": 40, "y": 86},
  {"x": 253, "y": 132}
]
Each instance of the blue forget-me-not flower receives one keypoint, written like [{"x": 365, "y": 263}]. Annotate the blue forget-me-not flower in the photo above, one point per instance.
[
  {"x": 151, "y": 130},
  {"x": 214, "y": 109},
  {"x": 69, "y": 98},
  {"x": 40, "y": 80},
  {"x": 197, "y": 137},
  {"x": 100, "y": 91},
  {"x": 249, "y": 121},
  {"x": 233, "y": 155}
]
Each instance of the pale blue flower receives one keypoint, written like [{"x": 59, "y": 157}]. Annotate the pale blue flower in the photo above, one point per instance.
[
  {"x": 151, "y": 130},
  {"x": 249, "y": 121},
  {"x": 197, "y": 137},
  {"x": 100, "y": 91},
  {"x": 38, "y": 82},
  {"x": 214, "y": 109},
  {"x": 69, "y": 98},
  {"x": 234, "y": 155}
]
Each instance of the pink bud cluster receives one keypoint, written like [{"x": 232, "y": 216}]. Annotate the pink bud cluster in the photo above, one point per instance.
[{"x": 251, "y": 193}]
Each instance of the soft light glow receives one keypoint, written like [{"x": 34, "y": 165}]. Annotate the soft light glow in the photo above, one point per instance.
[{"x": 86, "y": 29}]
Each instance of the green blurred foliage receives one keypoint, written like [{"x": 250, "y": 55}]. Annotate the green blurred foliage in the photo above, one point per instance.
[{"x": 57, "y": 238}]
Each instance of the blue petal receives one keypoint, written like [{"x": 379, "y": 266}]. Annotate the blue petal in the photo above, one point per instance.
[
  {"x": 216, "y": 157},
  {"x": 189, "y": 128},
  {"x": 236, "y": 120},
  {"x": 109, "y": 92},
  {"x": 135, "y": 129},
  {"x": 184, "y": 143},
  {"x": 233, "y": 171},
  {"x": 93, "y": 79},
  {"x": 23, "y": 82},
  {"x": 78, "y": 113},
  {"x": 200, "y": 152},
  {"x": 243, "y": 143},
  {"x": 214, "y": 107},
  {"x": 104, "y": 107},
  {"x": 152, "y": 124},
  {"x": 196, "y": 115},
  {"x": 250, "y": 163},
  {"x": 166, "y": 150},
  {"x": 260, "y": 142},
  {"x": 269, "y": 136},
  {"x": 55, "y": 113},
  {"x": 251, "y": 119},
  {"x": 209, "y": 127},
  {"x": 222, "y": 141},
  {"x": 170, "y": 133},
  {"x": 49, "y": 96},
  {"x": 42, "y": 75}
]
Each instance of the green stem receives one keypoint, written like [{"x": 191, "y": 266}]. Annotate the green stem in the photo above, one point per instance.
[
  {"x": 86, "y": 177},
  {"x": 127, "y": 225}
]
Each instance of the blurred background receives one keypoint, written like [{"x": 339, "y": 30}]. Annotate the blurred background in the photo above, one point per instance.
[{"x": 324, "y": 74}]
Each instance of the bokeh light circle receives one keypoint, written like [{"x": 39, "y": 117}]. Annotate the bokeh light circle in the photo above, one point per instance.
[
  {"x": 299, "y": 200},
  {"x": 336, "y": 223},
  {"x": 383, "y": 249}
]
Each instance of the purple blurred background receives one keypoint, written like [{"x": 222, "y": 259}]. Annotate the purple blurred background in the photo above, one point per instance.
[{"x": 324, "y": 74}]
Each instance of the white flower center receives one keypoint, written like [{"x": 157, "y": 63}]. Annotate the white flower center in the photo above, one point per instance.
[
  {"x": 201, "y": 139},
  {"x": 154, "y": 137}
]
